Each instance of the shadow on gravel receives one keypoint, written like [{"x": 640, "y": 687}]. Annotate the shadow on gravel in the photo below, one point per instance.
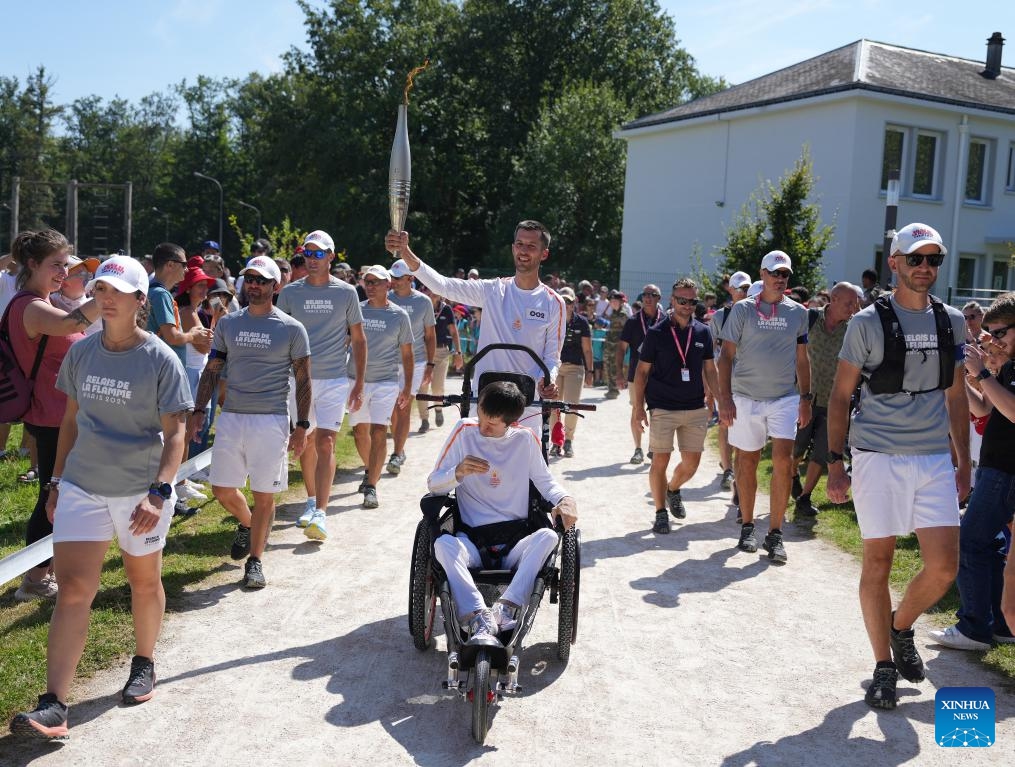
[
  {"x": 638, "y": 541},
  {"x": 831, "y": 741},
  {"x": 698, "y": 576},
  {"x": 374, "y": 674}
]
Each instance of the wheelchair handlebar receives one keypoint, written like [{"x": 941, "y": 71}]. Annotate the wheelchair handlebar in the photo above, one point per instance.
[{"x": 546, "y": 404}]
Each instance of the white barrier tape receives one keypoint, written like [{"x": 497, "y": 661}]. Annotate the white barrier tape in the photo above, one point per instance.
[{"x": 20, "y": 562}]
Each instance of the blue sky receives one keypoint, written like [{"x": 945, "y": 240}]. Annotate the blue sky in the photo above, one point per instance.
[{"x": 133, "y": 47}]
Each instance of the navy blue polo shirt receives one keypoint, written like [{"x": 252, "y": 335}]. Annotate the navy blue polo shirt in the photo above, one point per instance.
[
  {"x": 634, "y": 333},
  {"x": 577, "y": 329},
  {"x": 665, "y": 388}
]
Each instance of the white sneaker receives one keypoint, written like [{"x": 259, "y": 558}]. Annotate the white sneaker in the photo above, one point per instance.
[
  {"x": 308, "y": 513},
  {"x": 952, "y": 637},
  {"x": 42, "y": 589},
  {"x": 504, "y": 615},
  {"x": 187, "y": 494},
  {"x": 317, "y": 530}
]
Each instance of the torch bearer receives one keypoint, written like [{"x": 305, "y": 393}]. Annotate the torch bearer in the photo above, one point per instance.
[{"x": 400, "y": 166}]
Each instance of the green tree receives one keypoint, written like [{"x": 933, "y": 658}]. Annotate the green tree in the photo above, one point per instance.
[
  {"x": 781, "y": 217},
  {"x": 571, "y": 170}
]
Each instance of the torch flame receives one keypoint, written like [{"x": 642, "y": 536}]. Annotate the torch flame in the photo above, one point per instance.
[{"x": 408, "y": 80}]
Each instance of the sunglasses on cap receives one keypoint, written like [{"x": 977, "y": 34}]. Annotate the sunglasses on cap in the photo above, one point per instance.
[
  {"x": 933, "y": 259},
  {"x": 999, "y": 333},
  {"x": 256, "y": 279},
  {"x": 317, "y": 254}
]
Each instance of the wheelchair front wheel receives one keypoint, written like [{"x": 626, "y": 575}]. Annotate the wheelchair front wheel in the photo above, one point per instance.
[
  {"x": 422, "y": 590},
  {"x": 482, "y": 694},
  {"x": 569, "y": 581}
]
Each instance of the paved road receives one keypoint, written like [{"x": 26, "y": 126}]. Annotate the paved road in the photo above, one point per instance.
[{"x": 689, "y": 651}]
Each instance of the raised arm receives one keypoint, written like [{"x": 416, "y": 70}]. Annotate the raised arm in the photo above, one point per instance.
[{"x": 43, "y": 318}]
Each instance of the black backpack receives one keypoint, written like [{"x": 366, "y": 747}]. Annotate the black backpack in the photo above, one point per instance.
[
  {"x": 15, "y": 386},
  {"x": 887, "y": 378}
]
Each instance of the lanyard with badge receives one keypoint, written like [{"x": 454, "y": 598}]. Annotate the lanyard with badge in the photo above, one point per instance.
[
  {"x": 685, "y": 372},
  {"x": 762, "y": 315}
]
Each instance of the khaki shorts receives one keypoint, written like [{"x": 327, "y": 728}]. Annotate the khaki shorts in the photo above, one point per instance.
[{"x": 690, "y": 427}]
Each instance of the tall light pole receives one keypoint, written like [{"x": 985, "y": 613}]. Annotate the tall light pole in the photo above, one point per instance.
[
  {"x": 257, "y": 211},
  {"x": 221, "y": 201},
  {"x": 165, "y": 218},
  {"x": 891, "y": 218}
]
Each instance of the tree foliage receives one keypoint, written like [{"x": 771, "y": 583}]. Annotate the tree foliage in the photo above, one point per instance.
[
  {"x": 513, "y": 119},
  {"x": 781, "y": 217}
]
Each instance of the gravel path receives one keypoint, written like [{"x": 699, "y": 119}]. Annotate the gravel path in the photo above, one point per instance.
[{"x": 689, "y": 651}]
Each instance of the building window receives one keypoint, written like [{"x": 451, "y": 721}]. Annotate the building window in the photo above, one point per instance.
[
  {"x": 926, "y": 164},
  {"x": 999, "y": 275},
  {"x": 1010, "y": 183},
  {"x": 977, "y": 171},
  {"x": 967, "y": 274},
  {"x": 895, "y": 145}
]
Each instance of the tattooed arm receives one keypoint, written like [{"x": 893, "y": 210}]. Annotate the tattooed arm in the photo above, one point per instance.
[
  {"x": 42, "y": 318},
  {"x": 207, "y": 386},
  {"x": 301, "y": 371}
]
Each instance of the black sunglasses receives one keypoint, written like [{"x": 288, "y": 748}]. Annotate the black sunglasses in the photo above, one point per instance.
[
  {"x": 652, "y": 295},
  {"x": 253, "y": 279},
  {"x": 915, "y": 259},
  {"x": 782, "y": 274},
  {"x": 685, "y": 301},
  {"x": 999, "y": 333},
  {"x": 318, "y": 254}
]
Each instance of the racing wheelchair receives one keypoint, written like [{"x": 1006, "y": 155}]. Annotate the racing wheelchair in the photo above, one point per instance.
[{"x": 484, "y": 674}]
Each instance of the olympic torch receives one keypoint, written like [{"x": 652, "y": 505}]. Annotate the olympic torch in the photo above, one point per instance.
[{"x": 400, "y": 165}]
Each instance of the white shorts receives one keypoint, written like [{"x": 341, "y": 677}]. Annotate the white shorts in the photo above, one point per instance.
[
  {"x": 417, "y": 376},
  {"x": 81, "y": 516},
  {"x": 758, "y": 419},
  {"x": 327, "y": 406},
  {"x": 251, "y": 446},
  {"x": 897, "y": 494},
  {"x": 378, "y": 401}
]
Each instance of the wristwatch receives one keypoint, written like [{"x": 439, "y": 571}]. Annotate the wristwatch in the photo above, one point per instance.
[
  {"x": 303, "y": 424},
  {"x": 161, "y": 490},
  {"x": 807, "y": 397},
  {"x": 983, "y": 375},
  {"x": 833, "y": 457}
]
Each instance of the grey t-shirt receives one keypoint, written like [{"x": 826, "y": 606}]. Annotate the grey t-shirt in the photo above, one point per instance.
[
  {"x": 327, "y": 312},
  {"x": 901, "y": 423},
  {"x": 259, "y": 353},
  {"x": 766, "y": 336},
  {"x": 121, "y": 398},
  {"x": 420, "y": 311},
  {"x": 386, "y": 330}
]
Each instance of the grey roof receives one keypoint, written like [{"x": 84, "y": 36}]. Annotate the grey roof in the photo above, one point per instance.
[{"x": 864, "y": 65}]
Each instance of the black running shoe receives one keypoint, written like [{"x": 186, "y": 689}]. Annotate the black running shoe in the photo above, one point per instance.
[
  {"x": 363, "y": 485},
  {"x": 773, "y": 545},
  {"x": 141, "y": 682},
  {"x": 48, "y": 721},
  {"x": 439, "y": 417},
  {"x": 804, "y": 509},
  {"x": 568, "y": 449},
  {"x": 798, "y": 489},
  {"x": 241, "y": 543},
  {"x": 554, "y": 451},
  {"x": 726, "y": 483},
  {"x": 675, "y": 504},
  {"x": 253, "y": 575},
  {"x": 662, "y": 524},
  {"x": 904, "y": 653},
  {"x": 747, "y": 541},
  {"x": 881, "y": 693}
]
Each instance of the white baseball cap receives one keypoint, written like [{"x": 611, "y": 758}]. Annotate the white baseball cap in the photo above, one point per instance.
[
  {"x": 913, "y": 236},
  {"x": 377, "y": 271},
  {"x": 399, "y": 269},
  {"x": 740, "y": 280},
  {"x": 123, "y": 273},
  {"x": 264, "y": 266},
  {"x": 320, "y": 238},
  {"x": 776, "y": 259},
  {"x": 755, "y": 290}
]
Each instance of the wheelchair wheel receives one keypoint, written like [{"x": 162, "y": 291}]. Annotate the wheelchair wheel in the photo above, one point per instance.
[
  {"x": 481, "y": 695},
  {"x": 422, "y": 590},
  {"x": 570, "y": 574}
]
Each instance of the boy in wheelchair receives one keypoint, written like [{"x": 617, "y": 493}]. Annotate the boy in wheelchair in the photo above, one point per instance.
[{"x": 490, "y": 464}]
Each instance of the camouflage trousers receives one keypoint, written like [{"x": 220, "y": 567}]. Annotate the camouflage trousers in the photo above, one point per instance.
[{"x": 610, "y": 364}]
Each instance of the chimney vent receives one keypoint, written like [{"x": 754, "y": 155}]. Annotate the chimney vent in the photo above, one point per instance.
[{"x": 994, "y": 46}]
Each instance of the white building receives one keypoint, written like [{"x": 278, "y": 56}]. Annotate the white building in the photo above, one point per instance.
[{"x": 948, "y": 124}]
